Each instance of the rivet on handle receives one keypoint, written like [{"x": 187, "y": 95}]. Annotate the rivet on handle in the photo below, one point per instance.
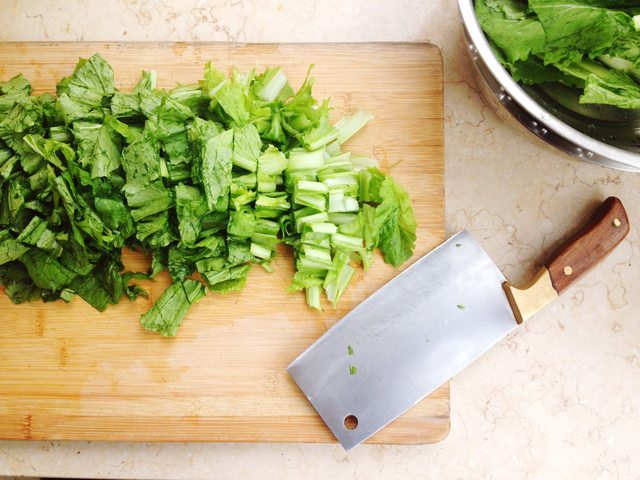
[
  {"x": 616, "y": 222},
  {"x": 567, "y": 270}
]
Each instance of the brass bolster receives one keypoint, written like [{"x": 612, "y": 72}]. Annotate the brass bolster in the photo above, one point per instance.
[{"x": 526, "y": 300}]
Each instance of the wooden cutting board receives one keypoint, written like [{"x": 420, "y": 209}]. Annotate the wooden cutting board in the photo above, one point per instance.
[{"x": 69, "y": 372}]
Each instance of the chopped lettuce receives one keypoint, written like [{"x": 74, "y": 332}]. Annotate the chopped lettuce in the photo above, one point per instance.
[
  {"x": 81, "y": 95},
  {"x": 215, "y": 170},
  {"x": 393, "y": 227},
  {"x": 207, "y": 178},
  {"x": 166, "y": 315}
]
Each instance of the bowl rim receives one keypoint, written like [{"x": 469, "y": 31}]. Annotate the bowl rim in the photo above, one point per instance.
[{"x": 587, "y": 148}]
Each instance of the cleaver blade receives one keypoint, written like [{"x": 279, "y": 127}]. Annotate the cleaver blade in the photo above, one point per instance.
[
  {"x": 407, "y": 339},
  {"x": 429, "y": 323}
]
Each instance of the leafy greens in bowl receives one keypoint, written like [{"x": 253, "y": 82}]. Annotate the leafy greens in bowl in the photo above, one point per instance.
[{"x": 590, "y": 46}]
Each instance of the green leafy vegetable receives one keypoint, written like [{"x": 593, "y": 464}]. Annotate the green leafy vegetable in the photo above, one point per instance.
[
  {"x": 45, "y": 271},
  {"x": 98, "y": 148},
  {"x": 167, "y": 313},
  {"x": 215, "y": 170},
  {"x": 207, "y": 178},
  {"x": 81, "y": 95},
  {"x": 10, "y": 248},
  {"x": 398, "y": 231},
  {"x": 593, "y": 45},
  {"x": 508, "y": 26}
]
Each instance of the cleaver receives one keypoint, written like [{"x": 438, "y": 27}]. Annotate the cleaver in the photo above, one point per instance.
[{"x": 430, "y": 322}]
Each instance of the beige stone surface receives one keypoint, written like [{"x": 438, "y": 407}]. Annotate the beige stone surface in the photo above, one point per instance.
[{"x": 558, "y": 399}]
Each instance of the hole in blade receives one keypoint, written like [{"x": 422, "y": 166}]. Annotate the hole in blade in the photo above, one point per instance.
[{"x": 350, "y": 422}]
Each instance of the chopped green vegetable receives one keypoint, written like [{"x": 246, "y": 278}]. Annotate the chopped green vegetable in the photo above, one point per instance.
[
  {"x": 352, "y": 370},
  {"x": 393, "y": 228},
  {"x": 215, "y": 170},
  {"x": 349, "y": 350},
  {"x": 45, "y": 271},
  {"x": 10, "y": 248},
  {"x": 167, "y": 313},
  {"x": 208, "y": 178},
  {"x": 349, "y": 126}
]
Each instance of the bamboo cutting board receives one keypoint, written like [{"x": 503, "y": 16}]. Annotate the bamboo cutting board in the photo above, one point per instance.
[{"x": 69, "y": 372}]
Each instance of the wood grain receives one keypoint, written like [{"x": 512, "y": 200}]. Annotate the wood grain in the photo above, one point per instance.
[
  {"x": 69, "y": 372},
  {"x": 608, "y": 226}
]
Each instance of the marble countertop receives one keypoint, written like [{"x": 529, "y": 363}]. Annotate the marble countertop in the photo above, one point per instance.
[{"x": 557, "y": 399}]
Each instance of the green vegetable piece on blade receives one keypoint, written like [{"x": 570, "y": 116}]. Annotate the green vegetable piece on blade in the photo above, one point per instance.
[{"x": 166, "y": 315}]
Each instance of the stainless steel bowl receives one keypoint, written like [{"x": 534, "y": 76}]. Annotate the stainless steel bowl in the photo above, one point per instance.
[{"x": 604, "y": 135}]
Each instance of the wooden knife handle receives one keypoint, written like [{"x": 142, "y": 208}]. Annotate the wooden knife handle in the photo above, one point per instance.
[{"x": 587, "y": 248}]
